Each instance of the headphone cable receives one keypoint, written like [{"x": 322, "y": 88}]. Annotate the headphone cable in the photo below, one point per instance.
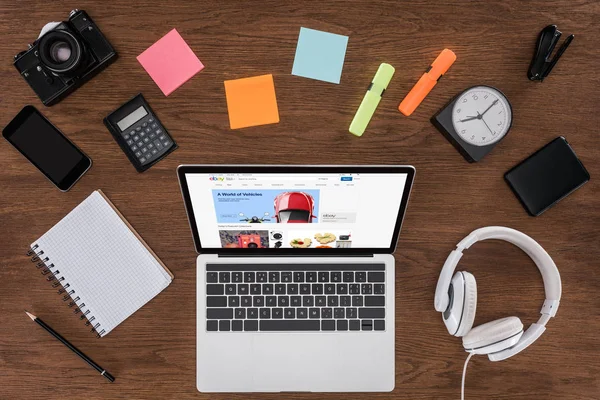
[{"x": 464, "y": 374}]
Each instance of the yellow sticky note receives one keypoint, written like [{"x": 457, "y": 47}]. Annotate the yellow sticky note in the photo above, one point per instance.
[{"x": 251, "y": 101}]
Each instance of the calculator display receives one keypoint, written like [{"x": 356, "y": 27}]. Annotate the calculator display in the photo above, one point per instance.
[{"x": 132, "y": 118}]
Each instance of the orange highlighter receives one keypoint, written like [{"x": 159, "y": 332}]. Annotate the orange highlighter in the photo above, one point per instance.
[{"x": 429, "y": 79}]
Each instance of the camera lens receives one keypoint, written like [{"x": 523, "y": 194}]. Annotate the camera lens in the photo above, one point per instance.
[{"x": 60, "y": 52}]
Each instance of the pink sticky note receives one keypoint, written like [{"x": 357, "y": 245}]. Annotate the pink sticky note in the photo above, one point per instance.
[{"x": 170, "y": 62}]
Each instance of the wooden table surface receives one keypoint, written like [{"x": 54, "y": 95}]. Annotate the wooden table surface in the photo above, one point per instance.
[{"x": 152, "y": 354}]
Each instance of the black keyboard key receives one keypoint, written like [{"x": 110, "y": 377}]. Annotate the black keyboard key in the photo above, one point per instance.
[
  {"x": 376, "y": 276},
  {"x": 280, "y": 288},
  {"x": 212, "y": 277},
  {"x": 286, "y": 277},
  {"x": 216, "y": 301},
  {"x": 320, "y": 301},
  {"x": 311, "y": 277},
  {"x": 296, "y": 301},
  {"x": 305, "y": 288},
  {"x": 265, "y": 313},
  {"x": 243, "y": 288},
  {"x": 251, "y": 325},
  {"x": 351, "y": 312},
  {"x": 267, "y": 288},
  {"x": 345, "y": 301},
  {"x": 230, "y": 289},
  {"x": 367, "y": 325},
  {"x": 354, "y": 288},
  {"x": 342, "y": 325},
  {"x": 332, "y": 301},
  {"x": 328, "y": 325},
  {"x": 371, "y": 313},
  {"x": 379, "y": 325},
  {"x": 292, "y": 288},
  {"x": 252, "y": 313},
  {"x": 224, "y": 326},
  {"x": 249, "y": 277},
  {"x": 261, "y": 277},
  {"x": 324, "y": 276},
  {"x": 326, "y": 312},
  {"x": 355, "y": 325},
  {"x": 240, "y": 313},
  {"x": 277, "y": 313},
  {"x": 271, "y": 301},
  {"x": 342, "y": 288},
  {"x": 299, "y": 277},
  {"x": 234, "y": 301},
  {"x": 317, "y": 288},
  {"x": 302, "y": 313},
  {"x": 338, "y": 313},
  {"x": 246, "y": 301},
  {"x": 374, "y": 301},
  {"x": 290, "y": 325},
  {"x": 308, "y": 301},
  {"x": 360, "y": 277},
  {"x": 255, "y": 288},
  {"x": 314, "y": 313},
  {"x": 379, "y": 288},
  {"x": 366, "y": 288},
  {"x": 283, "y": 301},
  {"x": 357, "y": 301},
  {"x": 336, "y": 276},
  {"x": 219, "y": 313},
  {"x": 215, "y": 289},
  {"x": 349, "y": 276},
  {"x": 224, "y": 277},
  {"x": 289, "y": 313},
  {"x": 330, "y": 288},
  {"x": 237, "y": 277},
  {"x": 273, "y": 276},
  {"x": 212, "y": 326},
  {"x": 258, "y": 301},
  {"x": 237, "y": 325}
]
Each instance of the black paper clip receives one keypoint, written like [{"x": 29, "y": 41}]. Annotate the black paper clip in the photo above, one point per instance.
[{"x": 541, "y": 64}]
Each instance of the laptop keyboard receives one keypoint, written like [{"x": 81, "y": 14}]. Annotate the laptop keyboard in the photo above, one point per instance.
[{"x": 295, "y": 297}]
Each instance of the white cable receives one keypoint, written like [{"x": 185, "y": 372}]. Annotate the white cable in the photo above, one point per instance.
[{"x": 464, "y": 374}]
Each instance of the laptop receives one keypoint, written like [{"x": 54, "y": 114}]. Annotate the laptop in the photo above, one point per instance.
[{"x": 295, "y": 277}]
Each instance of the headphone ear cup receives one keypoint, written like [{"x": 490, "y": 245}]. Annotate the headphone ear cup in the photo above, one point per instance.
[
  {"x": 493, "y": 336},
  {"x": 469, "y": 305}
]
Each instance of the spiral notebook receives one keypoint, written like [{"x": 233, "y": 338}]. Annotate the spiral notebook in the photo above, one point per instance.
[{"x": 99, "y": 264}]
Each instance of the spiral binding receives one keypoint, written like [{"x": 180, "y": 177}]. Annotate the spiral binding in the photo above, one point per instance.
[{"x": 51, "y": 275}]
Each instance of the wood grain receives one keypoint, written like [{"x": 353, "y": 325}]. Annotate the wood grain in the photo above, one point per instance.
[{"x": 152, "y": 354}]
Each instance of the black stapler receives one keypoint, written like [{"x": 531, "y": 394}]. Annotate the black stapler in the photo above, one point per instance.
[{"x": 541, "y": 64}]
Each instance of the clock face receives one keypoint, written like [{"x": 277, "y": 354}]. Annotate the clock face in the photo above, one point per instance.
[{"x": 481, "y": 115}]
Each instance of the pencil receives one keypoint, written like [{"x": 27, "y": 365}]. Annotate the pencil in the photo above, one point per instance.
[{"x": 74, "y": 349}]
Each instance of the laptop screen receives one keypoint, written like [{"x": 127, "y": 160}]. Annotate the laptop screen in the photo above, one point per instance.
[{"x": 296, "y": 210}]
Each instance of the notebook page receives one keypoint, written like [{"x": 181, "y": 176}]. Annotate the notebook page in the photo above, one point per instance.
[{"x": 103, "y": 262}]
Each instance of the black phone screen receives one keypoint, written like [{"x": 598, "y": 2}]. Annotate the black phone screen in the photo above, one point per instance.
[{"x": 46, "y": 147}]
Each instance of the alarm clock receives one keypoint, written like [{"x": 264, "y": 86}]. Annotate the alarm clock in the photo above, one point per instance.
[{"x": 475, "y": 121}]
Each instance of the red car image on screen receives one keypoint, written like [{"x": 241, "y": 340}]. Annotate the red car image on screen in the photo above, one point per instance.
[{"x": 294, "y": 207}]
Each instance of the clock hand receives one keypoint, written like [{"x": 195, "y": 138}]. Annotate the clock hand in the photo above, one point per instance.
[
  {"x": 468, "y": 119},
  {"x": 486, "y": 125},
  {"x": 487, "y": 109}
]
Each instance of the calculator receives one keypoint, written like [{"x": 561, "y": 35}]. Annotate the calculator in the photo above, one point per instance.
[{"x": 140, "y": 134}]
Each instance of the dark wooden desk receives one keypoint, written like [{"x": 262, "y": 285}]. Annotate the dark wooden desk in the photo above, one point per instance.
[{"x": 153, "y": 353}]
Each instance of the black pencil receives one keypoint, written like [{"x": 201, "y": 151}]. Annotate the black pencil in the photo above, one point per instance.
[{"x": 74, "y": 349}]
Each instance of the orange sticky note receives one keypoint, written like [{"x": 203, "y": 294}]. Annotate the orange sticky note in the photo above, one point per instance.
[{"x": 251, "y": 101}]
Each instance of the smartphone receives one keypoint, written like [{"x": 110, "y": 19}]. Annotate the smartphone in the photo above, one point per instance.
[
  {"x": 47, "y": 148},
  {"x": 547, "y": 176}
]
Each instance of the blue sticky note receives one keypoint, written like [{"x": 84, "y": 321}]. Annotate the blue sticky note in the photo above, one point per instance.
[{"x": 320, "y": 55}]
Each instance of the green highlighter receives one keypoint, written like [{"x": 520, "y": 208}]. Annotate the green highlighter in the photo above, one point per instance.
[{"x": 372, "y": 98}]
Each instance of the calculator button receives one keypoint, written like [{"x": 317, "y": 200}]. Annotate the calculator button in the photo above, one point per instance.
[
  {"x": 138, "y": 154},
  {"x": 126, "y": 136},
  {"x": 152, "y": 135},
  {"x": 150, "y": 119},
  {"x": 150, "y": 145},
  {"x": 166, "y": 143},
  {"x": 159, "y": 131},
  {"x": 134, "y": 147},
  {"x": 143, "y": 160},
  {"x": 158, "y": 144},
  {"x": 138, "y": 129},
  {"x": 154, "y": 151},
  {"x": 154, "y": 126},
  {"x": 146, "y": 140},
  {"x": 130, "y": 142},
  {"x": 142, "y": 134},
  {"x": 144, "y": 125},
  {"x": 162, "y": 137},
  {"x": 140, "y": 144},
  {"x": 136, "y": 138},
  {"x": 144, "y": 150},
  {"x": 147, "y": 130}
]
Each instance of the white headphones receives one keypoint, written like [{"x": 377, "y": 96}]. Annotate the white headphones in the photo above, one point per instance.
[{"x": 456, "y": 299}]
